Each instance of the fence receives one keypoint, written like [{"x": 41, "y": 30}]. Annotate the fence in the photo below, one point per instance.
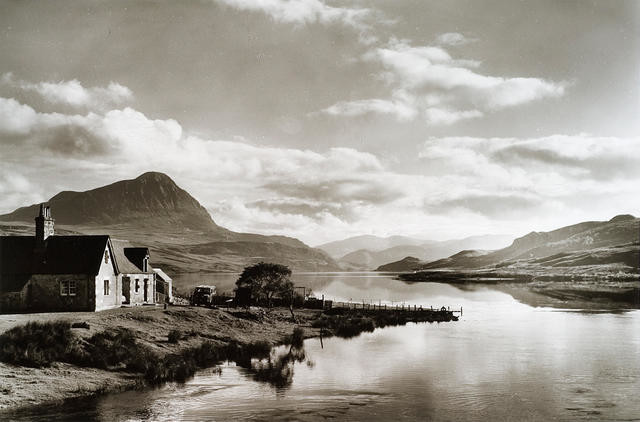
[{"x": 391, "y": 307}]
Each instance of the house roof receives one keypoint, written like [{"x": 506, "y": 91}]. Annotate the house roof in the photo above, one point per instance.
[
  {"x": 129, "y": 258},
  {"x": 61, "y": 255},
  {"x": 137, "y": 256},
  {"x": 162, "y": 274}
]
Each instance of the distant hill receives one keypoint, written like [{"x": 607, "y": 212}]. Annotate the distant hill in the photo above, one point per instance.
[
  {"x": 365, "y": 259},
  {"x": 340, "y": 248},
  {"x": 369, "y": 258},
  {"x": 616, "y": 241},
  {"x": 153, "y": 210},
  {"x": 409, "y": 263}
]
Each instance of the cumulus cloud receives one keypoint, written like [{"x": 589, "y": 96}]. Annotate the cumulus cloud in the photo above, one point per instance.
[
  {"x": 15, "y": 118},
  {"x": 72, "y": 93},
  {"x": 303, "y": 11},
  {"x": 420, "y": 76}
]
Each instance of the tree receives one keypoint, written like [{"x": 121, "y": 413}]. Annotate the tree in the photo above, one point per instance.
[{"x": 266, "y": 281}]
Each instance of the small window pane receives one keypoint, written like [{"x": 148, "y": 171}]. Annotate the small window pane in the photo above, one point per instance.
[
  {"x": 64, "y": 288},
  {"x": 72, "y": 287}
]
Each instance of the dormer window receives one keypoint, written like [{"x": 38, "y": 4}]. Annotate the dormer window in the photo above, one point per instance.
[{"x": 106, "y": 257}]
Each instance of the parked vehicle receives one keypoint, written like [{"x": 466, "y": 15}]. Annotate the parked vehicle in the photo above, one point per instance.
[{"x": 203, "y": 295}]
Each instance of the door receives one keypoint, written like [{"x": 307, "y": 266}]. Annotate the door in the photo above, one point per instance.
[{"x": 146, "y": 290}]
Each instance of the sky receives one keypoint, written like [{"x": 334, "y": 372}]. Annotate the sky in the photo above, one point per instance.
[{"x": 327, "y": 119}]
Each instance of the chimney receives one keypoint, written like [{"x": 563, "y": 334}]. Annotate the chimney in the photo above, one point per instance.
[{"x": 44, "y": 224}]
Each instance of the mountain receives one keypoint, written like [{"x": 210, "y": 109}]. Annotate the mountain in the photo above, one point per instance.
[
  {"x": 366, "y": 259},
  {"x": 150, "y": 199},
  {"x": 153, "y": 210},
  {"x": 340, "y": 248},
  {"x": 594, "y": 243},
  {"x": 409, "y": 263}
]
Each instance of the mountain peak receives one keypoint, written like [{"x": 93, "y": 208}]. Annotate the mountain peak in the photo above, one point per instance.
[
  {"x": 154, "y": 177},
  {"x": 622, "y": 217},
  {"x": 152, "y": 198}
]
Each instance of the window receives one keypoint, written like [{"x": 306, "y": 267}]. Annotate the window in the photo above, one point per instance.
[
  {"x": 68, "y": 288},
  {"x": 137, "y": 285},
  {"x": 106, "y": 287},
  {"x": 106, "y": 257},
  {"x": 145, "y": 265}
]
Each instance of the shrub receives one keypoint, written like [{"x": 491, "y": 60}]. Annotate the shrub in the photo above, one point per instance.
[
  {"x": 39, "y": 344},
  {"x": 297, "y": 337},
  {"x": 112, "y": 347},
  {"x": 174, "y": 336}
]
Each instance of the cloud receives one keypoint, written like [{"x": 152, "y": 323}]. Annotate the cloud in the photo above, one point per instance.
[
  {"x": 464, "y": 185},
  {"x": 441, "y": 116},
  {"x": 549, "y": 167},
  {"x": 361, "y": 107},
  {"x": 423, "y": 76},
  {"x": 453, "y": 39},
  {"x": 72, "y": 93},
  {"x": 499, "y": 206},
  {"x": 303, "y": 11},
  {"x": 15, "y": 118}
]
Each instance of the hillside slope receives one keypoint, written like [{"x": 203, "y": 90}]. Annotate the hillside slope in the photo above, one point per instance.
[
  {"x": 366, "y": 259},
  {"x": 591, "y": 243},
  {"x": 153, "y": 210}
]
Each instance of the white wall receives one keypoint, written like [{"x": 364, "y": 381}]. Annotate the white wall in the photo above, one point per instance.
[{"x": 107, "y": 272}]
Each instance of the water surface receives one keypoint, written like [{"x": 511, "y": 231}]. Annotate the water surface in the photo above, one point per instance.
[{"x": 503, "y": 360}]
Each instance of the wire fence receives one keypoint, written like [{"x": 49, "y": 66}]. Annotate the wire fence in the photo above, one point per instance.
[{"x": 379, "y": 306}]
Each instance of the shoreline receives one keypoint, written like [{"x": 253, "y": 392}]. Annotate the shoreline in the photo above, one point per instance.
[{"x": 27, "y": 387}]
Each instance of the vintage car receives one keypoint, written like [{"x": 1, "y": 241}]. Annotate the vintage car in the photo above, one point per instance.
[{"x": 203, "y": 295}]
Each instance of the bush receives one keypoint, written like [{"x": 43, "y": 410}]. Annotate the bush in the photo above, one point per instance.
[
  {"x": 174, "y": 336},
  {"x": 296, "y": 339},
  {"x": 39, "y": 344},
  {"x": 351, "y": 327},
  {"x": 112, "y": 347}
]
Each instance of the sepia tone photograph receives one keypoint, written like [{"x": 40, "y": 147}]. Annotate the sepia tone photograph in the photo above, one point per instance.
[{"x": 319, "y": 210}]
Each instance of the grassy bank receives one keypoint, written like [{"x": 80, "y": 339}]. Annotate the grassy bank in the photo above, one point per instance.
[{"x": 46, "y": 358}]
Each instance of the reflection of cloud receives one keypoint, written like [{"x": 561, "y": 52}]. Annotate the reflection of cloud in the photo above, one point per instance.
[{"x": 426, "y": 76}]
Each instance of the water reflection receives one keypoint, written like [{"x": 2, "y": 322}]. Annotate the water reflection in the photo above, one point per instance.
[{"x": 278, "y": 369}]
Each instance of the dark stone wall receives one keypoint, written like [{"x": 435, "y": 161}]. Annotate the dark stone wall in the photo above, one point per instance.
[{"x": 43, "y": 293}]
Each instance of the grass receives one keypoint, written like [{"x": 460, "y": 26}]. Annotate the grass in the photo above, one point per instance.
[
  {"x": 39, "y": 344},
  {"x": 348, "y": 323}
]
